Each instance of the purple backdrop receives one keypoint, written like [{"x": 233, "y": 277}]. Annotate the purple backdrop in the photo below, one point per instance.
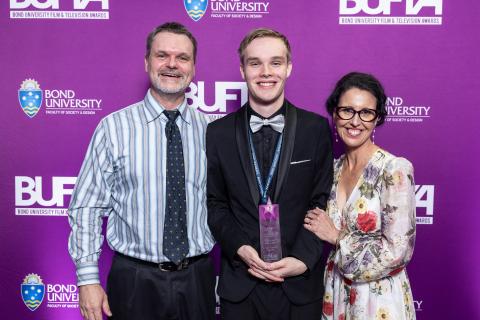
[{"x": 87, "y": 59}]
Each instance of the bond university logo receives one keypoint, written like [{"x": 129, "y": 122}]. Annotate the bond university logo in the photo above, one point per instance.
[
  {"x": 56, "y": 101},
  {"x": 239, "y": 9},
  {"x": 33, "y": 291},
  {"x": 30, "y": 97},
  {"x": 227, "y": 9},
  {"x": 401, "y": 109},
  {"x": 56, "y": 295},
  {"x": 195, "y": 8}
]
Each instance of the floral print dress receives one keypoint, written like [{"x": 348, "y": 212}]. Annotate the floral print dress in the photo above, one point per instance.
[{"x": 365, "y": 276}]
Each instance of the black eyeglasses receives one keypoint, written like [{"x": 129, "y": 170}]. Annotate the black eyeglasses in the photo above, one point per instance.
[{"x": 347, "y": 113}]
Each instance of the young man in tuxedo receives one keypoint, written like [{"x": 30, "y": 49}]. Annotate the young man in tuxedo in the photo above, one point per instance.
[{"x": 268, "y": 149}]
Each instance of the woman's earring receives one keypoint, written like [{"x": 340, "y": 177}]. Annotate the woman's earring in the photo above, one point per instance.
[
  {"x": 335, "y": 133},
  {"x": 373, "y": 133}
]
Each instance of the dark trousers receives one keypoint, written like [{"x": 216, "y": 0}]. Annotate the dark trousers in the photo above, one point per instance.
[
  {"x": 141, "y": 292},
  {"x": 268, "y": 302}
]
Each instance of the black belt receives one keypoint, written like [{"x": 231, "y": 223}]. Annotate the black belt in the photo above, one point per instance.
[{"x": 165, "y": 266}]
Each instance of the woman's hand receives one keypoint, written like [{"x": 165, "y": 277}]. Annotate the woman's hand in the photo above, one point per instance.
[{"x": 318, "y": 222}]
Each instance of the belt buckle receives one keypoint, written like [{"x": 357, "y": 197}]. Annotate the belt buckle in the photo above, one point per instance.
[
  {"x": 163, "y": 267},
  {"x": 171, "y": 266}
]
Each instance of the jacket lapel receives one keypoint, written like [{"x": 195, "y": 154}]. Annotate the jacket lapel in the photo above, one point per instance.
[
  {"x": 241, "y": 126},
  {"x": 287, "y": 148}
]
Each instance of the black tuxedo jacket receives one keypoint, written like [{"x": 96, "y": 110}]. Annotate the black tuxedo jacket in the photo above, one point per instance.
[{"x": 304, "y": 179}]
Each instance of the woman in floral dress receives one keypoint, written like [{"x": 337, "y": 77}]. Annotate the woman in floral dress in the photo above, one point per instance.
[{"x": 370, "y": 217}]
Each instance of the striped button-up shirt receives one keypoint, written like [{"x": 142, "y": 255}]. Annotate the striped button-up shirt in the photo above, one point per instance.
[{"x": 123, "y": 178}]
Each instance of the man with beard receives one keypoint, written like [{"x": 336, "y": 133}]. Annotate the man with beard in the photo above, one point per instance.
[
  {"x": 268, "y": 150},
  {"x": 145, "y": 169}
]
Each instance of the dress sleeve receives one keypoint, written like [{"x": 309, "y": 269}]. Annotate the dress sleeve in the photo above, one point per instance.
[
  {"x": 369, "y": 253},
  {"x": 91, "y": 200}
]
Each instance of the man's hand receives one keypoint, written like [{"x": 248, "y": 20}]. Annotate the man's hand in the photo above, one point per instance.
[
  {"x": 93, "y": 300},
  {"x": 256, "y": 266},
  {"x": 286, "y": 267}
]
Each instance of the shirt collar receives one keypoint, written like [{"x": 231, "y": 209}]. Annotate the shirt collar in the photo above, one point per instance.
[{"x": 153, "y": 109}]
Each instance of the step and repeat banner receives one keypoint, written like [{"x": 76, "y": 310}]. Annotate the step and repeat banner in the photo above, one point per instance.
[{"x": 66, "y": 64}]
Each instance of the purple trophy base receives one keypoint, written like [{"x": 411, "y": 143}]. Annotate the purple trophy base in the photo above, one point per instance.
[{"x": 270, "y": 239}]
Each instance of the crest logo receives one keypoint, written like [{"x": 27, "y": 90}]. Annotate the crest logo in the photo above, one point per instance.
[
  {"x": 33, "y": 291},
  {"x": 30, "y": 97},
  {"x": 195, "y": 8}
]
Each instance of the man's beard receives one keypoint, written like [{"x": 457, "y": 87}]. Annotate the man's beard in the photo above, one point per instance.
[{"x": 180, "y": 88}]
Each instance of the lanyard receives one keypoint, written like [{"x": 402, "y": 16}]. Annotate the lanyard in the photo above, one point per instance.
[{"x": 264, "y": 188}]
